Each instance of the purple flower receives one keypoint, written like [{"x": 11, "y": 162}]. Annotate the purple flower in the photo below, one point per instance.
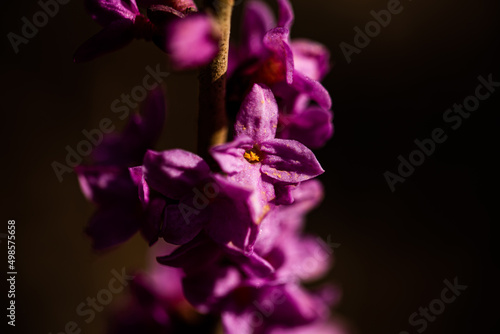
[
  {"x": 218, "y": 282},
  {"x": 261, "y": 310},
  {"x": 184, "y": 197},
  {"x": 289, "y": 220},
  {"x": 320, "y": 327},
  {"x": 292, "y": 69},
  {"x": 107, "y": 182},
  {"x": 191, "y": 40},
  {"x": 155, "y": 303},
  {"x": 258, "y": 159},
  {"x": 260, "y": 292}
]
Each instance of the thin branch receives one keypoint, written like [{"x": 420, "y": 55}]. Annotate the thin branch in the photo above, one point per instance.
[{"x": 212, "y": 118}]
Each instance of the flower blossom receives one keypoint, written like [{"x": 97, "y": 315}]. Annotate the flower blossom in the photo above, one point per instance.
[
  {"x": 238, "y": 288},
  {"x": 256, "y": 157},
  {"x": 107, "y": 182},
  {"x": 174, "y": 26},
  {"x": 291, "y": 68}
]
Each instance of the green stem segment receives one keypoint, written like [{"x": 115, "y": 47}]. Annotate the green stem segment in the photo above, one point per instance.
[{"x": 212, "y": 118}]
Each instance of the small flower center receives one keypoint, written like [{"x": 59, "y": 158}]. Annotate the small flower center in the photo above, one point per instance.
[
  {"x": 271, "y": 71},
  {"x": 254, "y": 155}
]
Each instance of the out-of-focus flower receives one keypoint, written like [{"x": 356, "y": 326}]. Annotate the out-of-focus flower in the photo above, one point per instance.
[
  {"x": 192, "y": 41},
  {"x": 292, "y": 69},
  {"x": 155, "y": 303},
  {"x": 107, "y": 181},
  {"x": 173, "y": 25},
  {"x": 250, "y": 297}
]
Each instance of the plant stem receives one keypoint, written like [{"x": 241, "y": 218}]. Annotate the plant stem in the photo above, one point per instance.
[{"x": 212, "y": 118}]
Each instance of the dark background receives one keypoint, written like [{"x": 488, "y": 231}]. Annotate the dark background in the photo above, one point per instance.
[{"x": 396, "y": 248}]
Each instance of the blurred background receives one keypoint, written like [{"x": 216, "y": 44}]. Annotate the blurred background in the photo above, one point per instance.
[{"x": 396, "y": 248}]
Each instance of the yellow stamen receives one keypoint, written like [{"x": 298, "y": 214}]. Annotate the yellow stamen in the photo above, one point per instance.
[{"x": 251, "y": 156}]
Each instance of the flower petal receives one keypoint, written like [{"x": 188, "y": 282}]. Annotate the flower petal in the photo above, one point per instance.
[
  {"x": 141, "y": 133},
  {"x": 182, "y": 223},
  {"x": 258, "y": 116},
  {"x": 313, "y": 89},
  {"x": 237, "y": 323},
  {"x": 108, "y": 11},
  {"x": 312, "y": 127},
  {"x": 137, "y": 175},
  {"x": 306, "y": 258},
  {"x": 289, "y": 161},
  {"x": 230, "y": 156},
  {"x": 296, "y": 307},
  {"x": 231, "y": 224},
  {"x": 311, "y": 58},
  {"x": 174, "y": 173},
  {"x": 191, "y": 42},
  {"x": 263, "y": 191},
  {"x": 194, "y": 256},
  {"x": 147, "y": 126},
  {"x": 206, "y": 290},
  {"x": 253, "y": 265},
  {"x": 113, "y": 225},
  {"x": 276, "y": 40},
  {"x": 106, "y": 184},
  {"x": 152, "y": 228},
  {"x": 258, "y": 19},
  {"x": 285, "y": 16}
]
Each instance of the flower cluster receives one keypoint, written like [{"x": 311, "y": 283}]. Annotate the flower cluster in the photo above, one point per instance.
[
  {"x": 232, "y": 221},
  {"x": 175, "y": 26}
]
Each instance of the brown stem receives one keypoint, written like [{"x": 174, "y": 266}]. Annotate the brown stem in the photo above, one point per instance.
[{"x": 212, "y": 118}]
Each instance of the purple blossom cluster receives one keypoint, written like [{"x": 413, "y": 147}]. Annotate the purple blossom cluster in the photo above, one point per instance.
[{"x": 228, "y": 229}]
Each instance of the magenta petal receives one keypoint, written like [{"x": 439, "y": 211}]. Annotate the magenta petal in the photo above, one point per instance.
[
  {"x": 194, "y": 256},
  {"x": 312, "y": 127},
  {"x": 251, "y": 177},
  {"x": 105, "y": 184},
  {"x": 319, "y": 327},
  {"x": 276, "y": 40},
  {"x": 297, "y": 306},
  {"x": 147, "y": 126},
  {"x": 313, "y": 89},
  {"x": 114, "y": 36},
  {"x": 258, "y": 19},
  {"x": 182, "y": 223},
  {"x": 254, "y": 266},
  {"x": 289, "y": 161},
  {"x": 207, "y": 290},
  {"x": 137, "y": 175},
  {"x": 113, "y": 225},
  {"x": 107, "y": 11},
  {"x": 152, "y": 228},
  {"x": 174, "y": 172},
  {"x": 231, "y": 224},
  {"x": 191, "y": 42},
  {"x": 307, "y": 196},
  {"x": 311, "y": 58},
  {"x": 285, "y": 16},
  {"x": 236, "y": 323},
  {"x": 284, "y": 194},
  {"x": 140, "y": 133},
  {"x": 230, "y": 156},
  {"x": 258, "y": 116},
  {"x": 307, "y": 258}
]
